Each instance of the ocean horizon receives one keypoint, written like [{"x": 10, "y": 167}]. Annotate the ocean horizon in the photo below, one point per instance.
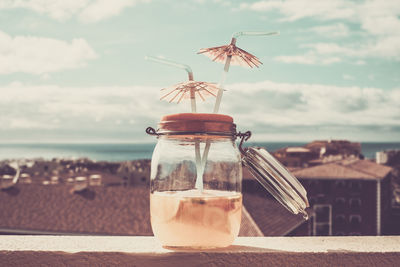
[{"x": 130, "y": 151}]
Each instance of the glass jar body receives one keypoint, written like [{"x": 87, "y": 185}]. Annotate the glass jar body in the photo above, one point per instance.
[{"x": 195, "y": 198}]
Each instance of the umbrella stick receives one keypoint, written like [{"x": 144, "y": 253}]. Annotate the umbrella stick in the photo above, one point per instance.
[
  {"x": 221, "y": 84},
  {"x": 193, "y": 100}
]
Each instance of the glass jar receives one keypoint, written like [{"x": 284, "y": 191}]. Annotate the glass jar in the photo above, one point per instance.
[
  {"x": 196, "y": 180},
  {"x": 196, "y": 177}
]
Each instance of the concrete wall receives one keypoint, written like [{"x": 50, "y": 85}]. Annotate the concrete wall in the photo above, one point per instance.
[{"x": 145, "y": 251}]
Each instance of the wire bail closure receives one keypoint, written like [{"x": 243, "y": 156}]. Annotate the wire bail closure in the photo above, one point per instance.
[
  {"x": 244, "y": 136},
  {"x": 151, "y": 131}
]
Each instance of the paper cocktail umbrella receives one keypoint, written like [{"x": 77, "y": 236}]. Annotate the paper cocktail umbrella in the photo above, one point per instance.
[
  {"x": 190, "y": 89},
  {"x": 236, "y": 55},
  {"x": 232, "y": 55}
]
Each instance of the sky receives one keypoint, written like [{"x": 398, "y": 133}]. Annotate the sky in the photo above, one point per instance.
[{"x": 75, "y": 71}]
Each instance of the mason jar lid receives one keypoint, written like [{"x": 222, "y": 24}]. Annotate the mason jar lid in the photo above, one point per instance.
[
  {"x": 207, "y": 123},
  {"x": 276, "y": 179}
]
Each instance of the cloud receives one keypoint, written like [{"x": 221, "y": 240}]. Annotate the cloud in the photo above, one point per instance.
[
  {"x": 83, "y": 113},
  {"x": 311, "y": 105},
  {"x": 332, "y": 31},
  {"x": 308, "y": 59},
  {"x": 102, "y": 9},
  {"x": 379, "y": 21},
  {"x": 274, "y": 111},
  {"x": 374, "y": 13},
  {"x": 56, "y": 9},
  {"x": 85, "y": 10},
  {"x": 298, "y": 9},
  {"x": 387, "y": 48},
  {"x": 40, "y": 55},
  {"x": 348, "y": 77}
]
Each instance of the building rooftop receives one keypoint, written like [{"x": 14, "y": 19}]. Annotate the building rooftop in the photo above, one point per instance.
[
  {"x": 296, "y": 149},
  {"x": 115, "y": 210},
  {"x": 271, "y": 217},
  {"x": 55, "y": 208},
  {"x": 352, "y": 168}
]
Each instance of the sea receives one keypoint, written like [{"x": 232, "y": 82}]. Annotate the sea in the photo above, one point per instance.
[{"x": 123, "y": 152}]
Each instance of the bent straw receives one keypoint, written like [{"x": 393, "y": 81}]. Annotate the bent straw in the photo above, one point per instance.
[
  {"x": 223, "y": 78},
  {"x": 180, "y": 66},
  {"x": 199, "y": 171}
]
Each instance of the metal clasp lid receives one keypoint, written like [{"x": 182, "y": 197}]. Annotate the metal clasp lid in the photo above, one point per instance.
[{"x": 275, "y": 178}]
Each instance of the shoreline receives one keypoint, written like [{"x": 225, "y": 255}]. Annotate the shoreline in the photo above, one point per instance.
[{"x": 118, "y": 152}]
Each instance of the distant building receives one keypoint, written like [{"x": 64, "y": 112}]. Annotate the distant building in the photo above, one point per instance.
[
  {"x": 392, "y": 158},
  {"x": 348, "y": 197},
  {"x": 295, "y": 156},
  {"x": 318, "y": 152},
  {"x": 388, "y": 157},
  {"x": 128, "y": 173},
  {"x": 134, "y": 173},
  {"x": 335, "y": 147}
]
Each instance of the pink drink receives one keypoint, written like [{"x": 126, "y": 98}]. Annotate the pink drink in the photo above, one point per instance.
[{"x": 194, "y": 219}]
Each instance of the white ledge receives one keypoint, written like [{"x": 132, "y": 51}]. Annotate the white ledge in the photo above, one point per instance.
[{"x": 145, "y": 251}]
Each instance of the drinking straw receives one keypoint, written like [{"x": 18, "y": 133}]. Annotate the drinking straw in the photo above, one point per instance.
[
  {"x": 180, "y": 66},
  {"x": 226, "y": 70},
  {"x": 15, "y": 165},
  {"x": 199, "y": 171}
]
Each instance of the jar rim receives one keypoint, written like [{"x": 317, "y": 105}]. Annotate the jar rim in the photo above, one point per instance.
[{"x": 197, "y": 123}]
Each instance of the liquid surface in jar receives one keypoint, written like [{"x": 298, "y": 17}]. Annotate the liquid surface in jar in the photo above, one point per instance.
[{"x": 196, "y": 219}]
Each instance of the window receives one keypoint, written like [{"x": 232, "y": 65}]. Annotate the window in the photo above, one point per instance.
[
  {"x": 322, "y": 220},
  {"x": 340, "y": 203},
  {"x": 312, "y": 201},
  {"x": 322, "y": 213},
  {"x": 321, "y": 198},
  {"x": 355, "y": 186},
  {"x": 355, "y": 204},
  {"x": 322, "y": 229},
  {"x": 355, "y": 222},
  {"x": 340, "y": 184},
  {"x": 340, "y": 220},
  {"x": 326, "y": 187},
  {"x": 314, "y": 186}
]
